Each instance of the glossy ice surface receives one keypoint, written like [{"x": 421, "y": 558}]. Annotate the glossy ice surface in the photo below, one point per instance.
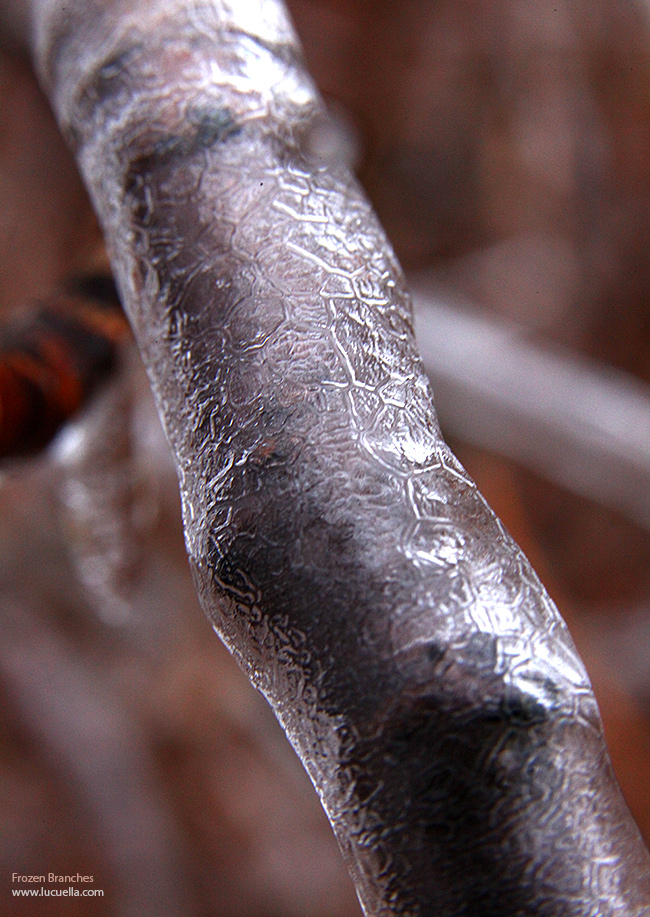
[{"x": 342, "y": 552}]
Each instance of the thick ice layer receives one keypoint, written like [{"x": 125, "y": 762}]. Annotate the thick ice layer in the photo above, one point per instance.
[{"x": 342, "y": 552}]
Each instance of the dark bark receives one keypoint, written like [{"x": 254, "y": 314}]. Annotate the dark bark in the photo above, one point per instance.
[
  {"x": 419, "y": 668},
  {"x": 53, "y": 358}
]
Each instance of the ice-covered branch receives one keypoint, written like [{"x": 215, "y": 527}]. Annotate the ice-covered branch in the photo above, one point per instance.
[{"x": 342, "y": 552}]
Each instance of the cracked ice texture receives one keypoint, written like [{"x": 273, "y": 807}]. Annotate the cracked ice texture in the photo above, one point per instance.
[{"x": 344, "y": 555}]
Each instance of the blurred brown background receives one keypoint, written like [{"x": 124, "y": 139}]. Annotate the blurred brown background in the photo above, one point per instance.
[{"x": 506, "y": 147}]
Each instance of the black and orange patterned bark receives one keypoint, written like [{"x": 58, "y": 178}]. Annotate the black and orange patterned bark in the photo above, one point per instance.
[{"x": 53, "y": 358}]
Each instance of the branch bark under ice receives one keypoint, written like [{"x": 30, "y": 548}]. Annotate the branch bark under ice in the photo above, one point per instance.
[{"x": 344, "y": 555}]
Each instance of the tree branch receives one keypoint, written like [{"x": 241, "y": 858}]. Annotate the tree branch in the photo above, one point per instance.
[{"x": 343, "y": 554}]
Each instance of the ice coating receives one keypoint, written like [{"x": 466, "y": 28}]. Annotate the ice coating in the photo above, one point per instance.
[{"x": 342, "y": 552}]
